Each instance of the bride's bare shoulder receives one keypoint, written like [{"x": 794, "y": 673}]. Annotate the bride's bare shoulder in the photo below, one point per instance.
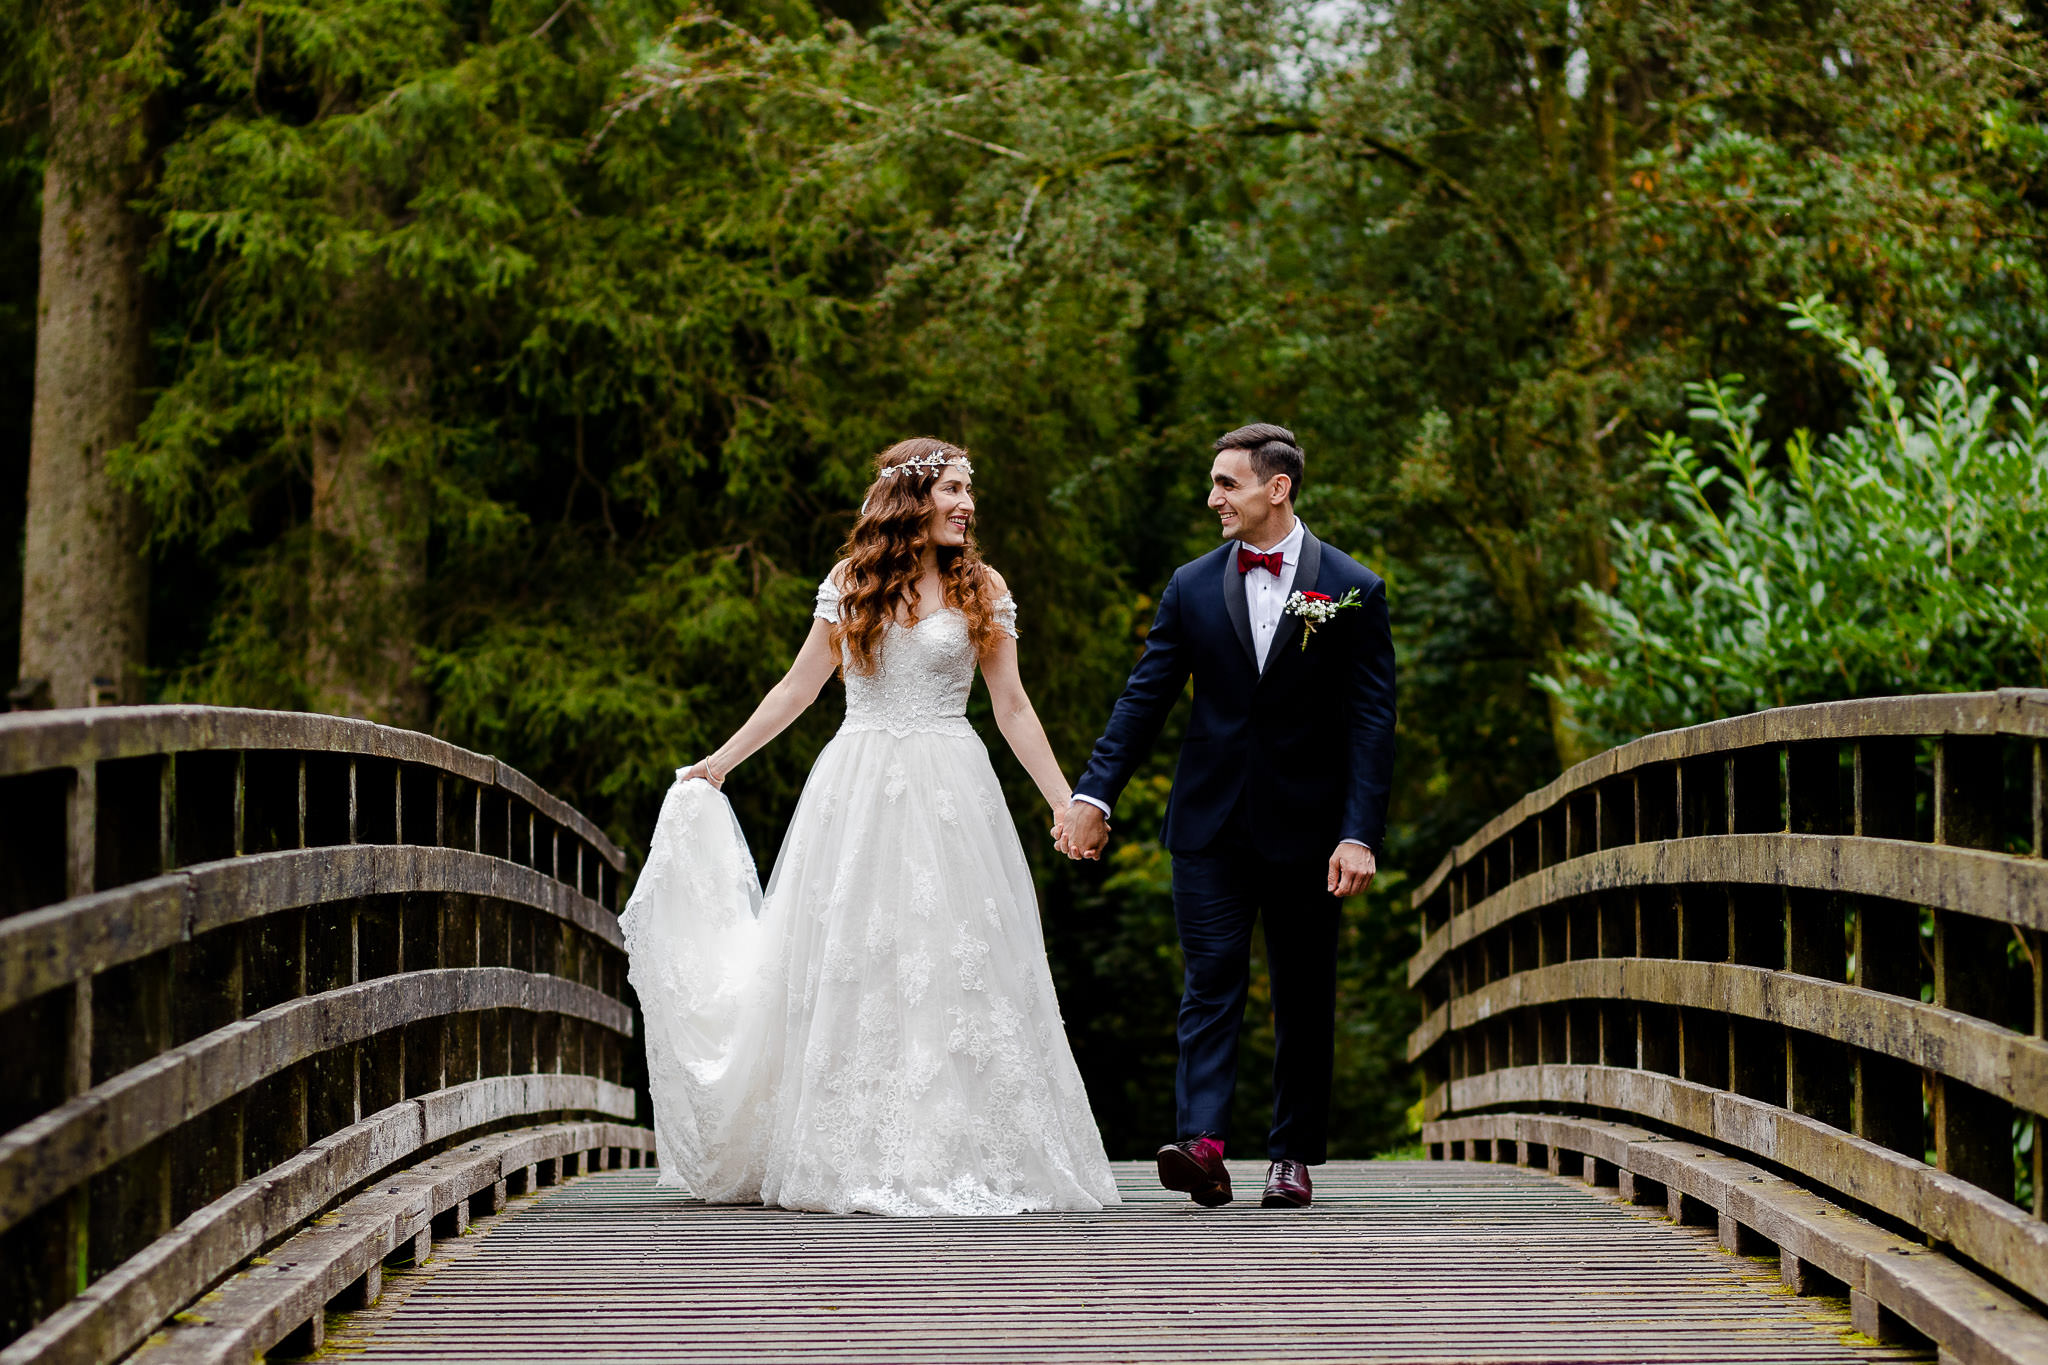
[
  {"x": 837, "y": 576},
  {"x": 997, "y": 587}
]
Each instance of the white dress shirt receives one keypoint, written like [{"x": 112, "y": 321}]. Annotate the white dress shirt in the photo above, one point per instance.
[
  {"x": 1265, "y": 593},
  {"x": 1265, "y": 598}
]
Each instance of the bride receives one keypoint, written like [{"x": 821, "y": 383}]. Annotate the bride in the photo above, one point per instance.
[{"x": 877, "y": 1032}]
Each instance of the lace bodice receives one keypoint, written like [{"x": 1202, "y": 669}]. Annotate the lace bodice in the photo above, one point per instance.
[{"x": 922, "y": 675}]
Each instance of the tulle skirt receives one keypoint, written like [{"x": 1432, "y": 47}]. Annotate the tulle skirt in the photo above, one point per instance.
[{"x": 878, "y": 1032}]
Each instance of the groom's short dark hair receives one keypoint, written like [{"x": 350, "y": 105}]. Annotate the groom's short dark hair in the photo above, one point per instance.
[{"x": 1271, "y": 449}]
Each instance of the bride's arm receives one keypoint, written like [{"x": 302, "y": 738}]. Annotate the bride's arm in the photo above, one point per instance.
[
  {"x": 784, "y": 703},
  {"x": 1020, "y": 725}
]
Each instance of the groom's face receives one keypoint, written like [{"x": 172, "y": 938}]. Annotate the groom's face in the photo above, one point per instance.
[{"x": 1247, "y": 507}]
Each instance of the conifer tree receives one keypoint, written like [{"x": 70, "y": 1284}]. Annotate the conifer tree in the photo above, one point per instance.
[{"x": 85, "y": 582}]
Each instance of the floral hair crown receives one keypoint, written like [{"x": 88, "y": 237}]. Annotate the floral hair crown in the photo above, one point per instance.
[{"x": 933, "y": 462}]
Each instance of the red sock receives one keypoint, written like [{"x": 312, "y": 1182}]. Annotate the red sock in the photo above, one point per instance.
[{"x": 1209, "y": 1146}]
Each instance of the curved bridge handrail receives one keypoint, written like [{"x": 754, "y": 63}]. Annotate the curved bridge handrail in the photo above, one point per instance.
[
  {"x": 1967, "y": 880},
  {"x": 2009, "y": 711},
  {"x": 32, "y": 741},
  {"x": 1998, "y": 1061},
  {"x": 1817, "y": 936},
  {"x": 2005, "y": 1240},
  {"x": 46, "y": 948},
  {"x": 129, "y": 1302},
  {"x": 250, "y": 960},
  {"x": 82, "y": 1137}
]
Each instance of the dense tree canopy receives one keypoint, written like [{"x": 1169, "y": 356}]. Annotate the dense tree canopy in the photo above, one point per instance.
[{"x": 518, "y": 364}]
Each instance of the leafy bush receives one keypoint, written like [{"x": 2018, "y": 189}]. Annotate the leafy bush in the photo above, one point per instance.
[{"x": 1909, "y": 553}]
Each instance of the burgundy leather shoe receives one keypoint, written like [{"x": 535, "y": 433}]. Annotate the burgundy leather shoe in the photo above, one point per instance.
[
  {"x": 1287, "y": 1186},
  {"x": 1196, "y": 1167}
]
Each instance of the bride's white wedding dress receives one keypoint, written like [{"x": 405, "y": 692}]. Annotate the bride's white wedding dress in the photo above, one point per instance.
[{"x": 878, "y": 1032}]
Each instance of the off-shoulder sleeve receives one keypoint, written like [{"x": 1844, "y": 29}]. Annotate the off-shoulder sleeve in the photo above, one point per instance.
[
  {"x": 1006, "y": 615},
  {"x": 827, "y": 609}
]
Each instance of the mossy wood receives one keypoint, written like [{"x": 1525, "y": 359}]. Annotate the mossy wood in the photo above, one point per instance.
[
  {"x": 1803, "y": 945},
  {"x": 254, "y": 966}
]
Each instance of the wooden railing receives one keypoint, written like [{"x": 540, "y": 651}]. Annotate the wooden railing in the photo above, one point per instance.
[
  {"x": 1769, "y": 972},
  {"x": 251, "y": 961}
]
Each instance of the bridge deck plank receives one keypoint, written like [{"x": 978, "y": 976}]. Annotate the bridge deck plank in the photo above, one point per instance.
[{"x": 1398, "y": 1261}]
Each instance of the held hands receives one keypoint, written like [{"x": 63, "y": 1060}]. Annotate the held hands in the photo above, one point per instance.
[
  {"x": 1351, "y": 870},
  {"x": 1082, "y": 833}
]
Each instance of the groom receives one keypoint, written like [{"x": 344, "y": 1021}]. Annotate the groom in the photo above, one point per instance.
[{"x": 1278, "y": 803}]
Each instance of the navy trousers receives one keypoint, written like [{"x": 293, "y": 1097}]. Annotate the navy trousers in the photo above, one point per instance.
[{"x": 1218, "y": 894}]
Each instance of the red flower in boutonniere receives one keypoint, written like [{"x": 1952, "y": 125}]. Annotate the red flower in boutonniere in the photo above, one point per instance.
[{"x": 1314, "y": 608}]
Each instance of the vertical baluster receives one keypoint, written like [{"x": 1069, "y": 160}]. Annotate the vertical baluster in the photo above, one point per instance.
[
  {"x": 2037, "y": 944},
  {"x": 1755, "y": 805},
  {"x": 67, "y": 1268},
  {"x": 1972, "y": 1129},
  {"x": 207, "y": 986},
  {"x": 2037, "y": 802},
  {"x": 1818, "y": 1077},
  {"x": 1756, "y": 922},
  {"x": 1887, "y": 1091}
]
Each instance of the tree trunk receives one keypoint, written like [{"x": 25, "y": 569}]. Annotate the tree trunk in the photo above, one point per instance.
[
  {"x": 85, "y": 585},
  {"x": 369, "y": 564}
]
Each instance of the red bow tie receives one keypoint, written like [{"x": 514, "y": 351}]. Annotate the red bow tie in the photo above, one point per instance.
[{"x": 1272, "y": 563}]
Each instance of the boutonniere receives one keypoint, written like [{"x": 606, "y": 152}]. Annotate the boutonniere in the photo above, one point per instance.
[{"x": 1315, "y": 608}]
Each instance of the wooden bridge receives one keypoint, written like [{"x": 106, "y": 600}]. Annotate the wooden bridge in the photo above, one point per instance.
[{"x": 317, "y": 1039}]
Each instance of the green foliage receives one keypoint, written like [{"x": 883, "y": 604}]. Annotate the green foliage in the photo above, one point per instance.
[
  {"x": 671, "y": 283},
  {"x": 1906, "y": 554}
]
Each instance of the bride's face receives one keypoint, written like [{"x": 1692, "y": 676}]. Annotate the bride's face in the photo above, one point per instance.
[{"x": 952, "y": 507}]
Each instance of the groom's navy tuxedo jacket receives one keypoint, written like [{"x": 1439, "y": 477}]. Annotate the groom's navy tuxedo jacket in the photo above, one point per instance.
[{"x": 1308, "y": 743}]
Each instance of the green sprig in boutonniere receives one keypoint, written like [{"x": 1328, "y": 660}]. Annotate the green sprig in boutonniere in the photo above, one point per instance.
[{"x": 1316, "y": 608}]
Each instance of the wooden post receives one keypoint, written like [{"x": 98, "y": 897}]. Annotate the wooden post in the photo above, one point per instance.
[
  {"x": 1819, "y": 1079},
  {"x": 2037, "y": 944},
  {"x": 487, "y": 1201},
  {"x": 1877, "y": 1322},
  {"x": 1686, "y": 1211},
  {"x": 452, "y": 1221},
  {"x": 1972, "y": 1129},
  {"x": 364, "y": 1290},
  {"x": 1756, "y": 805},
  {"x": 1887, "y": 1096},
  {"x": 304, "y": 1340}
]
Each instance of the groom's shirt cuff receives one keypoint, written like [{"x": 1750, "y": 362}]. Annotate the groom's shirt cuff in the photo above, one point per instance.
[{"x": 1360, "y": 842}]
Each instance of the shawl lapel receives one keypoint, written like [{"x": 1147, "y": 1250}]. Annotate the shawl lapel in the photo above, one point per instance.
[
  {"x": 1307, "y": 572},
  {"x": 1235, "y": 605}
]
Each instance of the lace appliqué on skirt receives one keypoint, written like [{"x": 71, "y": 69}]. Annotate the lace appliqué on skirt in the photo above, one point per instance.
[{"x": 883, "y": 1036}]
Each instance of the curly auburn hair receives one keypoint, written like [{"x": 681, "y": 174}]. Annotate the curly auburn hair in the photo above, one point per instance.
[{"x": 884, "y": 561}]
